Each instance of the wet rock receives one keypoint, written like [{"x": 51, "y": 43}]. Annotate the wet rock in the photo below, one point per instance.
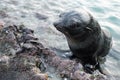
[
  {"x": 22, "y": 66},
  {"x": 3, "y": 14},
  {"x": 35, "y": 42},
  {"x": 65, "y": 68},
  {"x": 27, "y": 45},
  {"x": 7, "y": 41},
  {"x": 28, "y": 49},
  {"x": 4, "y": 63},
  {"x": 48, "y": 53},
  {"x": 18, "y": 68},
  {"x": 40, "y": 77},
  {"x": 78, "y": 75},
  {"x": 27, "y": 31},
  {"x": 27, "y": 37},
  {"x": 55, "y": 61},
  {"x": 23, "y": 57}
]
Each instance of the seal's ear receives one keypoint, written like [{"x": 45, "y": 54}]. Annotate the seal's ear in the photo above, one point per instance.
[{"x": 88, "y": 29}]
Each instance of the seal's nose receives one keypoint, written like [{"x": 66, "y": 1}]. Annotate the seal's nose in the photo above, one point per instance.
[
  {"x": 58, "y": 26},
  {"x": 55, "y": 24}
]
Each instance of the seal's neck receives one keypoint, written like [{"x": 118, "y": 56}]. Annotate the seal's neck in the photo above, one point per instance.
[
  {"x": 84, "y": 41},
  {"x": 76, "y": 43}
]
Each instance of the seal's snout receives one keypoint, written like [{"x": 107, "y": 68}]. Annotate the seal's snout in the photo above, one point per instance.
[
  {"x": 58, "y": 26},
  {"x": 55, "y": 24}
]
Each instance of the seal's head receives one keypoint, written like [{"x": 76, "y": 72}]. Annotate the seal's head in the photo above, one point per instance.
[{"x": 77, "y": 23}]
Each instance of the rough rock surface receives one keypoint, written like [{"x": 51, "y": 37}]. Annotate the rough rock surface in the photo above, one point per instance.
[{"x": 23, "y": 57}]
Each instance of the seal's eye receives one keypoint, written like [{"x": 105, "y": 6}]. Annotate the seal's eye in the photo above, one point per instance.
[{"x": 76, "y": 25}]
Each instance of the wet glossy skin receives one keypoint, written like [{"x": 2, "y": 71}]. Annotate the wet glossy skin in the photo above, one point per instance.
[{"x": 85, "y": 38}]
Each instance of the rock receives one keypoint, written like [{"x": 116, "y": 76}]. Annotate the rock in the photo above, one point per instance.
[
  {"x": 55, "y": 61},
  {"x": 27, "y": 37},
  {"x": 7, "y": 42},
  {"x": 40, "y": 77},
  {"x": 18, "y": 67},
  {"x": 3, "y": 14},
  {"x": 25, "y": 58},
  {"x": 22, "y": 66}
]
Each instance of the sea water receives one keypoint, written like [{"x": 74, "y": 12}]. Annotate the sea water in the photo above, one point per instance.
[{"x": 39, "y": 15}]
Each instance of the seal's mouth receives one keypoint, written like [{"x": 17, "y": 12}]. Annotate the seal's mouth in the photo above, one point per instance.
[
  {"x": 59, "y": 28},
  {"x": 63, "y": 30}
]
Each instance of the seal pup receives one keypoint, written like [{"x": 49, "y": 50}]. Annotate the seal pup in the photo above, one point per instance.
[{"x": 87, "y": 41}]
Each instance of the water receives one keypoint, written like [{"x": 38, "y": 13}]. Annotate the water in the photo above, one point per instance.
[{"x": 107, "y": 12}]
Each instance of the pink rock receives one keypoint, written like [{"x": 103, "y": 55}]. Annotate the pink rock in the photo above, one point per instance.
[{"x": 40, "y": 77}]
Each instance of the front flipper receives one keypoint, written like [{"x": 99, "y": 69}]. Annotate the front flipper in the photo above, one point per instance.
[
  {"x": 88, "y": 68},
  {"x": 91, "y": 68}
]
